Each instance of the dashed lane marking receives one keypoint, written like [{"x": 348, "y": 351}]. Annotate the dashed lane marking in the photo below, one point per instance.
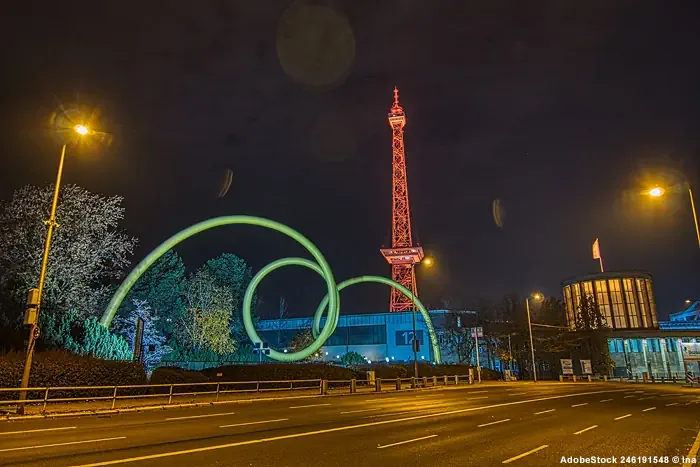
[
  {"x": 623, "y": 416},
  {"x": 650, "y": 408},
  {"x": 545, "y": 411},
  {"x": 407, "y": 441},
  {"x": 305, "y": 406},
  {"x": 254, "y": 423},
  {"x": 580, "y": 405},
  {"x": 199, "y": 416},
  {"x": 520, "y": 456},
  {"x": 70, "y": 443},
  {"x": 36, "y": 431},
  {"x": 493, "y": 423},
  {"x": 586, "y": 429}
]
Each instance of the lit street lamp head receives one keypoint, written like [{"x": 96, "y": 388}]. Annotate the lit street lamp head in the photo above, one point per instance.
[
  {"x": 81, "y": 129},
  {"x": 428, "y": 262},
  {"x": 537, "y": 296},
  {"x": 656, "y": 192}
]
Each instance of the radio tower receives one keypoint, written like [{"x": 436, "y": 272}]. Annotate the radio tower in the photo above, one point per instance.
[{"x": 402, "y": 255}]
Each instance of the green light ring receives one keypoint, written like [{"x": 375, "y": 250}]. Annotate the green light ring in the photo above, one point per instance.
[
  {"x": 437, "y": 355},
  {"x": 319, "y": 340},
  {"x": 152, "y": 257}
]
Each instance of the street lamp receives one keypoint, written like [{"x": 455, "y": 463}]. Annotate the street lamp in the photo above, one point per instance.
[
  {"x": 537, "y": 297},
  {"x": 657, "y": 192},
  {"x": 428, "y": 262},
  {"x": 81, "y": 130}
]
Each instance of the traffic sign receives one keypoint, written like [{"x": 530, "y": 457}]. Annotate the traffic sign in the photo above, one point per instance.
[{"x": 477, "y": 331}]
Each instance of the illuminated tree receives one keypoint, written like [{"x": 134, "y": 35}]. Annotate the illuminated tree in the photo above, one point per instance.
[
  {"x": 152, "y": 338},
  {"x": 353, "y": 358},
  {"x": 302, "y": 340},
  {"x": 87, "y": 250},
  {"x": 206, "y": 325}
]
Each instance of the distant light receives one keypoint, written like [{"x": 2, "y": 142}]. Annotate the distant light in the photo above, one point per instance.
[
  {"x": 688, "y": 301},
  {"x": 422, "y": 357},
  {"x": 387, "y": 359},
  {"x": 326, "y": 353},
  {"x": 337, "y": 356},
  {"x": 285, "y": 350},
  {"x": 537, "y": 296},
  {"x": 369, "y": 361},
  {"x": 392, "y": 358},
  {"x": 428, "y": 261},
  {"x": 656, "y": 192},
  {"x": 81, "y": 129}
]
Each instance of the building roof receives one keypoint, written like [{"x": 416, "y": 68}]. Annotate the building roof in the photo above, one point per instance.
[{"x": 607, "y": 275}]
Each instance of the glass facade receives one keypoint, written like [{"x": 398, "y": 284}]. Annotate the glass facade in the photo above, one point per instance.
[{"x": 625, "y": 300}]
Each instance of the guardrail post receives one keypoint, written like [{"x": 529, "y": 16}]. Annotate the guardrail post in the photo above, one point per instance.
[
  {"x": 324, "y": 387},
  {"x": 413, "y": 382},
  {"x": 353, "y": 386},
  {"x": 456, "y": 379},
  {"x": 444, "y": 380},
  {"x": 114, "y": 397},
  {"x": 398, "y": 384},
  {"x": 574, "y": 378},
  {"x": 170, "y": 395},
  {"x": 425, "y": 381},
  {"x": 561, "y": 378},
  {"x": 257, "y": 386},
  {"x": 636, "y": 378},
  {"x": 589, "y": 378},
  {"x": 605, "y": 378},
  {"x": 471, "y": 378},
  {"x": 434, "y": 380},
  {"x": 217, "y": 392},
  {"x": 378, "y": 384},
  {"x": 46, "y": 398}
]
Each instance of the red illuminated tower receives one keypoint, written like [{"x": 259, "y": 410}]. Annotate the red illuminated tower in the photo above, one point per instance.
[{"x": 402, "y": 255}]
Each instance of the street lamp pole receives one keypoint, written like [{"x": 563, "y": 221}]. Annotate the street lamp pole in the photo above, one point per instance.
[
  {"x": 532, "y": 347},
  {"x": 695, "y": 215},
  {"x": 34, "y": 328},
  {"x": 415, "y": 334}
]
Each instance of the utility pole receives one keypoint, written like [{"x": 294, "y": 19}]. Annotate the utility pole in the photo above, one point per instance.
[{"x": 532, "y": 347}]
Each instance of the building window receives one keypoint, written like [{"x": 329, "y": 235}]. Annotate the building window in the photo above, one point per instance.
[
  {"x": 367, "y": 335},
  {"x": 587, "y": 289},
  {"x": 570, "y": 318},
  {"x": 603, "y": 301},
  {"x": 611, "y": 345},
  {"x": 643, "y": 303},
  {"x": 618, "y": 306},
  {"x": 652, "y": 304},
  {"x": 634, "y": 345},
  {"x": 671, "y": 345},
  {"x": 631, "y": 299},
  {"x": 653, "y": 345},
  {"x": 576, "y": 294}
]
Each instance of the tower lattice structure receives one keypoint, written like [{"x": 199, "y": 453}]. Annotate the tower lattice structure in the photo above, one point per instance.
[{"x": 402, "y": 255}]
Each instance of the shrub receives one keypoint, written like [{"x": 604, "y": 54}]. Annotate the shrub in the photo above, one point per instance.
[
  {"x": 61, "y": 368},
  {"x": 165, "y": 375},
  {"x": 279, "y": 371}
]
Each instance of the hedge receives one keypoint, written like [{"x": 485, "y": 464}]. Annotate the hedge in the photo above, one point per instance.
[
  {"x": 61, "y": 368},
  {"x": 278, "y": 372}
]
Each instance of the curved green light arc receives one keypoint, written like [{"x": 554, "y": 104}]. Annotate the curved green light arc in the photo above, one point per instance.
[{"x": 331, "y": 301}]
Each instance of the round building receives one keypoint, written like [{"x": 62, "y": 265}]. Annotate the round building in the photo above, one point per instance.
[{"x": 625, "y": 298}]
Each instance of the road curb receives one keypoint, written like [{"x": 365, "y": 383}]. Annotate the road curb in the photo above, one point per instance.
[{"x": 692, "y": 454}]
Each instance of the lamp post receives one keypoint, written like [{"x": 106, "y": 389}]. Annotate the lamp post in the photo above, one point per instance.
[
  {"x": 34, "y": 325},
  {"x": 658, "y": 191},
  {"x": 428, "y": 262},
  {"x": 537, "y": 297}
]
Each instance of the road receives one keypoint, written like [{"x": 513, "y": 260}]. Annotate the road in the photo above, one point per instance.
[{"x": 520, "y": 424}]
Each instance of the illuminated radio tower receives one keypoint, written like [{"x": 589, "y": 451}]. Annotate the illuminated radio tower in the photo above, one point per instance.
[{"x": 402, "y": 255}]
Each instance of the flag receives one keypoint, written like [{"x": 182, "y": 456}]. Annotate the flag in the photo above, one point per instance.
[{"x": 596, "y": 249}]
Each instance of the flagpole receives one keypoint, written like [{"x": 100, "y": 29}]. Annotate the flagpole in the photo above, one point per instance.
[{"x": 600, "y": 258}]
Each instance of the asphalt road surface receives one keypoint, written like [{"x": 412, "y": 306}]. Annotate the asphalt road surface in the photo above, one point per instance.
[{"x": 519, "y": 424}]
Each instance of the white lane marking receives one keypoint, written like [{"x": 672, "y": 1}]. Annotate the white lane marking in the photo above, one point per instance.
[
  {"x": 254, "y": 423},
  {"x": 36, "y": 431},
  {"x": 477, "y": 392},
  {"x": 586, "y": 429},
  {"x": 405, "y": 412},
  {"x": 517, "y": 393},
  {"x": 650, "y": 408},
  {"x": 341, "y": 428},
  {"x": 579, "y": 405},
  {"x": 305, "y": 406},
  {"x": 361, "y": 410},
  {"x": 475, "y": 398},
  {"x": 623, "y": 416},
  {"x": 493, "y": 423},
  {"x": 627, "y": 397},
  {"x": 545, "y": 411},
  {"x": 520, "y": 456},
  {"x": 407, "y": 441},
  {"x": 199, "y": 416},
  {"x": 606, "y": 400},
  {"x": 670, "y": 405},
  {"x": 70, "y": 443}
]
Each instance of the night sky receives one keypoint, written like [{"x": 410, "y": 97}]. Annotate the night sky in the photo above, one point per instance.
[{"x": 565, "y": 111}]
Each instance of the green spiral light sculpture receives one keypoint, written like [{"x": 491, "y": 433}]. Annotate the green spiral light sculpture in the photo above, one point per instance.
[{"x": 330, "y": 302}]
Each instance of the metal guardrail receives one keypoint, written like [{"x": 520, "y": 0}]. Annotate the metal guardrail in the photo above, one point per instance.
[{"x": 216, "y": 388}]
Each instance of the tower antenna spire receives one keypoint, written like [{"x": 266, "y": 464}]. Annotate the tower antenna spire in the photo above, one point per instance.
[{"x": 402, "y": 255}]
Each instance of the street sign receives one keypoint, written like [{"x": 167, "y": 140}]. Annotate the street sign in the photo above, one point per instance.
[
  {"x": 567, "y": 366},
  {"x": 586, "y": 367},
  {"x": 691, "y": 351},
  {"x": 477, "y": 331}
]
